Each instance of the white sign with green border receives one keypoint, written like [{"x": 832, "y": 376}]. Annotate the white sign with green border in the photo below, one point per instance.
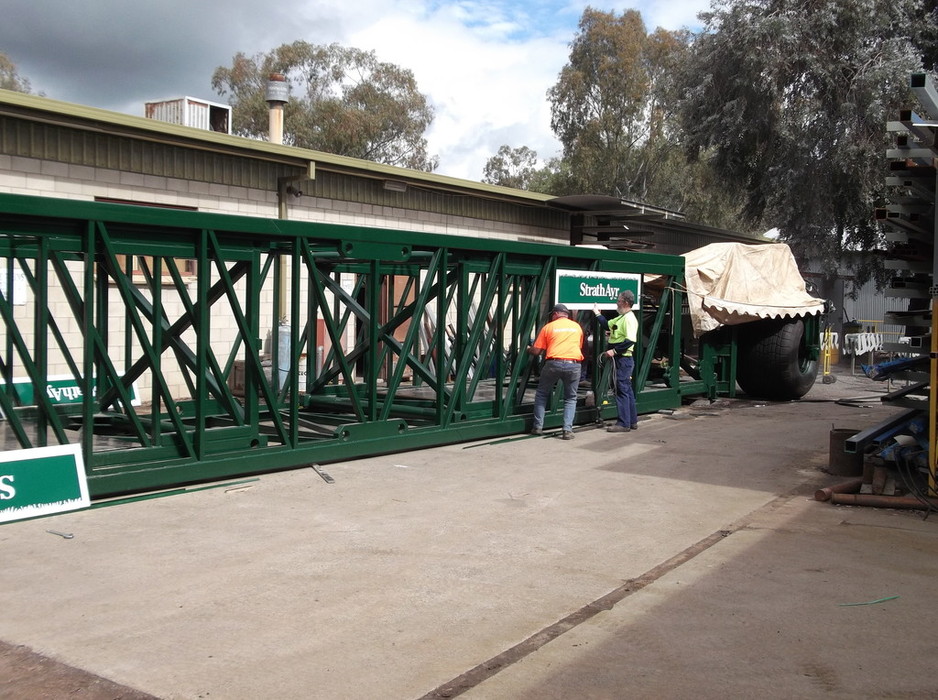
[
  {"x": 42, "y": 481},
  {"x": 584, "y": 290}
]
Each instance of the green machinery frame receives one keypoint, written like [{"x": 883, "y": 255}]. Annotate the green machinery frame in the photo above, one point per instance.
[{"x": 291, "y": 343}]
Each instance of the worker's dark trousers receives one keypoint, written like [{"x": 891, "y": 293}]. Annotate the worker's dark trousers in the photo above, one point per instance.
[{"x": 625, "y": 397}]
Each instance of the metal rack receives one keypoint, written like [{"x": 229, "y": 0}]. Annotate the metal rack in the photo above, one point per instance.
[{"x": 910, "y": 230}]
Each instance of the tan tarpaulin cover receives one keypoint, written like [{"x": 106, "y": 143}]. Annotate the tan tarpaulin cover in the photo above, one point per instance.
[{"x": 732, "y": 283}]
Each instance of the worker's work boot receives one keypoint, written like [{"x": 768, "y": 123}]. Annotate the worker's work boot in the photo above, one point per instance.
[
  {"x": 618, "y": 429},
  {"x": 567, "y": 435},
  {"x": 537, "y": 431}
]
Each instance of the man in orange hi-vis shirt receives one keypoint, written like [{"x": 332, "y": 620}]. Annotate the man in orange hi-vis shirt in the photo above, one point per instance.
[{"x": 560, "y": 341}]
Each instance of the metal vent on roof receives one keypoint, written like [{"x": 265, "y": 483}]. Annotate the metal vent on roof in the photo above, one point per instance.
[{"x": 191, "y": 111}]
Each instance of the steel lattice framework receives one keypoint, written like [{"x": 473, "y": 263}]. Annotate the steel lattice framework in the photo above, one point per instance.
[{"x": 205, "y": 346}]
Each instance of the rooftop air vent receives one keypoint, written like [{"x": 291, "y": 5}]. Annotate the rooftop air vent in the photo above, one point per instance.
[{"x": 190, "y": 111}]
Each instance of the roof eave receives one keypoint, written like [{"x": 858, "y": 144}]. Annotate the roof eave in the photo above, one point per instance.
[{"x": 93, "y": 118}]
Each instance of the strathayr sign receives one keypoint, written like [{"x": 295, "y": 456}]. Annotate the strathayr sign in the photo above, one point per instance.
[{"x": 584, "y": 290}]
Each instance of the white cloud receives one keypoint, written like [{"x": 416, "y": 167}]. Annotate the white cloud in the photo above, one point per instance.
[
  {"x": 486, "y": 65},
  {"x": 485, "y": 92}
]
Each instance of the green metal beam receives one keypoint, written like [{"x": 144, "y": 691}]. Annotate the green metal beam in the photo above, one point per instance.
[{"x": 396, "y": 339}]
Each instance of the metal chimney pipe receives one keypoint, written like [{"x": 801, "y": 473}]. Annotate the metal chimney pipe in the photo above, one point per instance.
[{"x": 278, "y": 93}]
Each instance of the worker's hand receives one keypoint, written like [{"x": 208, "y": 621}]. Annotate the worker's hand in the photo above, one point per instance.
[
  {"x": 610, "y": 353},
  {"x": 595, "y": 309}
]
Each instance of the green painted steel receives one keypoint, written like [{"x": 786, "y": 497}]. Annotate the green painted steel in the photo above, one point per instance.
[{"x": 199, "y": 355}]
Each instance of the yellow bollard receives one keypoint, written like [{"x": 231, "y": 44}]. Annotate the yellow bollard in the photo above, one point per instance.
[{"x": 827, "y": 349}]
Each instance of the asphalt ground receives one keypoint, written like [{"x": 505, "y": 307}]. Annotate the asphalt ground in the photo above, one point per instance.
[{"x": 686, "y": 559}]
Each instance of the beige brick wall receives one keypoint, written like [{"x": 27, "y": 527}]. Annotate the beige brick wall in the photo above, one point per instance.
[{"x": 51, "y": 179}]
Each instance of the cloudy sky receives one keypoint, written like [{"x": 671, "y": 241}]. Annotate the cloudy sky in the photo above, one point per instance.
[{"x": 486, "y": 65}]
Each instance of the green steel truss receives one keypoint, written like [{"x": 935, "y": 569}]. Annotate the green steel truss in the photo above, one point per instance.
[{"x": 207, "y": 346}]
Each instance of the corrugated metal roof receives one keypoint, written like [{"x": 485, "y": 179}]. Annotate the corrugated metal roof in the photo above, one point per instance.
[
  {"x": 667, "y": 229},
  {"x": 48, "y": 109},
  {"x": 621, "y": 224}
]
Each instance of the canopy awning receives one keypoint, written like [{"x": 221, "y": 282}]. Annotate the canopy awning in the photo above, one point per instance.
[{"x": 734, "y": 283}]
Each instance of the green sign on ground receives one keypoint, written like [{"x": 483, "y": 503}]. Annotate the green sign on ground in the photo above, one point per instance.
[
  {"x": 42, "y": 481},
  {"x": 584, "y": 290},
  {"x": 60, "y": 389}
]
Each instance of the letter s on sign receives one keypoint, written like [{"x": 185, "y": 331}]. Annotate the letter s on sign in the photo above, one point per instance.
[{"x": 6, "y": 487}]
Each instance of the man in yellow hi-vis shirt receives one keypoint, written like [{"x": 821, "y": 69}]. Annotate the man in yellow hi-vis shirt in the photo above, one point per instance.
[{"x": 623, "y": 333}]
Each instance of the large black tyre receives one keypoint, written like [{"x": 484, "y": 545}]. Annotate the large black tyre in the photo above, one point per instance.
[{"x": 772, "y": 362}]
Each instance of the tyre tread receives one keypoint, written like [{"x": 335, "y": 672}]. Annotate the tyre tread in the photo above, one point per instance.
[{"x": 768, "y": 363}]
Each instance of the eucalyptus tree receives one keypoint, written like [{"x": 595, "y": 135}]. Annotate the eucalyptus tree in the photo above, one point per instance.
[
  {"x": 10, "y": 79},
  {"x": 790, "y": 100},
  {"x": 611, "y": 106},
  {"x": 511, "y": 167},
  {"x": 341, "y": 100}
]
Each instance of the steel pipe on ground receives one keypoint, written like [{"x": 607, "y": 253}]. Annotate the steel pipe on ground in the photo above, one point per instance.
[
  {"x": 850, "y": 486},
  {"x": 865, "y": 499}
]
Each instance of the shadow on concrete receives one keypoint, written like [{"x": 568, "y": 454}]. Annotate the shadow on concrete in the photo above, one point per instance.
[{"x": 803, "y": 600}]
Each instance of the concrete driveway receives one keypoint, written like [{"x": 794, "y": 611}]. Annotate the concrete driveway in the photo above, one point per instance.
[{"x": 687, "y": 559}]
